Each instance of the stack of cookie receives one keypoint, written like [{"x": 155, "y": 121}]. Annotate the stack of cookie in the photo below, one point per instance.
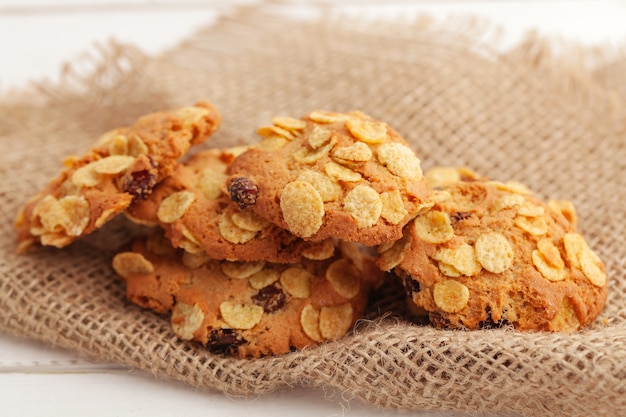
[
  {"x": 269, "y": 237},
  {"x": 272, "y": 247}
]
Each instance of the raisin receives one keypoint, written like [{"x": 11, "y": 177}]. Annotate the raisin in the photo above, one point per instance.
[
  {"x": 438, "y": 320},
  {"x": 460, "y": 215},
  {"x": 225, "y": 341},
  {"x": 488, "y": 323},
  {"x": 140, "y": 183},
  {"x": 243, "y": 191},
  {"x": 410, "y": 285},
  {"x": 271, "y": 298}
]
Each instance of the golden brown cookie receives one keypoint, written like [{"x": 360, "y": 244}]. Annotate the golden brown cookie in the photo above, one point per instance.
[
  {"x": 249, "y": 309},
  {"x": 192, "y": 207},
  {"x": 343, "y": 175},
  {"x": 493, "y": 254},
  {"x": 125, "y": 164}
]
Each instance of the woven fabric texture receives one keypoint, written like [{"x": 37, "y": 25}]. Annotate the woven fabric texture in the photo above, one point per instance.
[{"x": 525, "y": 115}]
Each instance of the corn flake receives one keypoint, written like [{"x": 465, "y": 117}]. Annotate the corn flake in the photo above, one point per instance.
[
  {"x": 340, "y": 173},
  {"x": 462, "y": 258},
  {"x": 296, "y": 281},
  {"x": 131, "y": 263},
  {"x": 393, "y": 207},
  {"x": 400, "y": 160},
  {"x": 450, "y": 296},
  {"x": 344, "y": 278},
  {"x": 310, "y": 322},
  {"x": 434, "y": 226},
  {"x": 363, "y": 203},
  {"x": 357, "y": 152},
  {"x": 302, "y": 207},
  {"x": 186, "y": 320},
  {"x": 328, "y": 189},
  {"x": 368, "y": 131},
  {"x": 240, "y": 269},
  {"x": 174, "y": 206},
  {"x": 241, "y": 316},
  {"x": 494, "y": 252},
  {"x": 335, "y": 321}
]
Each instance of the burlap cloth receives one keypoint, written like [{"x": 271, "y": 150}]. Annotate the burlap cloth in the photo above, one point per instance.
[{"x": 555, "y": 123}]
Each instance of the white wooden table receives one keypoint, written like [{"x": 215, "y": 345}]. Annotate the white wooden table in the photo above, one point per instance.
[{"x": 37, "y": 36}]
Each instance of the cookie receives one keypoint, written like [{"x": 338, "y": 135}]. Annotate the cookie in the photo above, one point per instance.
[
  {"x": 248, "y": 309},
  {"x": 191, "y": 205},
  {"x": 492, "y": 254},
  {"x": 343, "y": 175},
  {"x": 125, "y": 164}
]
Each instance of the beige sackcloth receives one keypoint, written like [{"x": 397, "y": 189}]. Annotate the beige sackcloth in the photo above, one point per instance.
[{"x": 556, "y": 123}]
